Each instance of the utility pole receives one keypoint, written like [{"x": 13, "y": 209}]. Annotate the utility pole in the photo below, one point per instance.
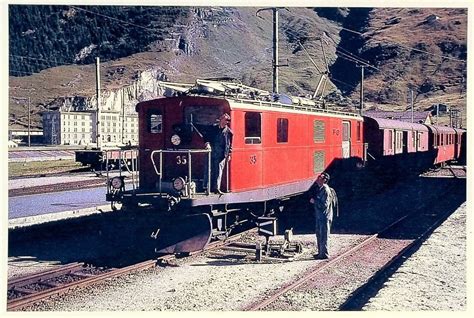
[
  {"x": 437, "y": 113},
  {"x": 362, "y": 66},
  {"x": 123, "y": 116},
  {"x": 411, "y": 101},
  {"x": 275, "y": 50},
  {"x": 275, "y": 64},
  {"x": 97, "y": 80},
  {"x": 29, "y": 121}
]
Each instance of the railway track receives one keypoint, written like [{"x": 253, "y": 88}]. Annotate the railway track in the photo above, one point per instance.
[
  {"x": 57, "y": 187},
  {"x": 28, "y": 290},
  {"x": 380, "y": 250}
]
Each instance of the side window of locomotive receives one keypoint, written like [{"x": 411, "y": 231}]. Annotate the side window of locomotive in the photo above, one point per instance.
[
  {"x": 155, "y": 122},
  {"x": 319, "y": 131},
  {"x": 282, "y": 130},
  {"x": 359, "y": 128},
  {"x": 253, "y": 128}
]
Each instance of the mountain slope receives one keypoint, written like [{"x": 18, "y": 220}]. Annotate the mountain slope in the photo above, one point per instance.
[{"x": 234, "y": 42}]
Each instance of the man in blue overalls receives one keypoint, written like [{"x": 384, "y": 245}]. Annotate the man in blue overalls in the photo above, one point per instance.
[{"x": 323, "y": 211}]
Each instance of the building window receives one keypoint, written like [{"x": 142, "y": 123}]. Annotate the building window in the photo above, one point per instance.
[
  {"x": 319, "y": 131},
  {"x": 253, "y": 128},
  {"x": 282, "y": 130}
]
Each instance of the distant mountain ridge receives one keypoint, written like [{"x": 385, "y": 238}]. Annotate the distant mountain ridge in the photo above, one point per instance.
[{"x": 185, "y": 43}]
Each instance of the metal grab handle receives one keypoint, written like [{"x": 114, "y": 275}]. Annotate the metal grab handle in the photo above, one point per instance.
[{"x": 189, "y": 152}]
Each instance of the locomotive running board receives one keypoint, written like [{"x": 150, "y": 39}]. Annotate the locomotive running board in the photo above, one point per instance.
[{"x": 184, "y": 235}]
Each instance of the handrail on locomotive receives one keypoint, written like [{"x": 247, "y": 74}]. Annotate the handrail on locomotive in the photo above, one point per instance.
[
  {"x": 126, "y": 159},
  {"x": 189, "y": 185}
]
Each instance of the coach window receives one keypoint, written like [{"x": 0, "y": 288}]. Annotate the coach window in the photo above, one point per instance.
[
  {"x": 155, "y": 122},
  {"x": 390, "y": 140},
  {"x": 359, "y": 124},
  {"x": 253, "y": 128},
  {"x": 282, "y": 130}
]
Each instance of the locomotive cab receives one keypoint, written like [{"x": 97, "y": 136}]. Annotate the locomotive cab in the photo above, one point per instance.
[{"x": 173, "y": 159}]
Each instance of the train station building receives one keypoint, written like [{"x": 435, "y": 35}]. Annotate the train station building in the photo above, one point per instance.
[{"x": 75, "y": 123}]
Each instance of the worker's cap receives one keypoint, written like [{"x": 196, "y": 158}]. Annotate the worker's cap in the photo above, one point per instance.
[{"x": 325, "y": 176}]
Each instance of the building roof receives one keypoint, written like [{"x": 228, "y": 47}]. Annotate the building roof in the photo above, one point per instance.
[{"x": 418, "y": 116}]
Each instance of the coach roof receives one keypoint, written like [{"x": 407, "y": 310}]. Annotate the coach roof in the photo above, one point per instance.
[{"x": 396, "y": 124}]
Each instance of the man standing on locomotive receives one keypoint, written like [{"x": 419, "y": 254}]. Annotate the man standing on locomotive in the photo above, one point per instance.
[
  {"x": 323, "y": 210},
  {"x": 218, "y": 139}
]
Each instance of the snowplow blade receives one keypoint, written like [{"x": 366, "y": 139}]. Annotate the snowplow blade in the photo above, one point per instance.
[{"x": 184, "y": 235}]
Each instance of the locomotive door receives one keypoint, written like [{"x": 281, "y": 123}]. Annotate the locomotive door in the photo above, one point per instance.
[{"x": 346, "y": 139}]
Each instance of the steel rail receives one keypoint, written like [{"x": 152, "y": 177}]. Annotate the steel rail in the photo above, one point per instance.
[
  {"x": 21, "y": 302},
  {"x": 29, "y": 299},
  {"x": 44, "y": 275},
  {"x": 57, "y": 187}
]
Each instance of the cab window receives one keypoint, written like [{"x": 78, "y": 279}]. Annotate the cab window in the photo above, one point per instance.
[
  {"x": 253, "y": 128},
  {"x": 155, "y": 122},
  {"x": 282, "y": 130}
]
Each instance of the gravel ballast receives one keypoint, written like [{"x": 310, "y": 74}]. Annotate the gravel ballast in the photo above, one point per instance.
[
  {"x": 434, "y": 278},
  {"x": 203, "y": 283}
]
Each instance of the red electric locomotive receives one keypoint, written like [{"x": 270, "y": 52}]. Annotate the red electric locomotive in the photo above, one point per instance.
[{"x": 279, "y": 147}]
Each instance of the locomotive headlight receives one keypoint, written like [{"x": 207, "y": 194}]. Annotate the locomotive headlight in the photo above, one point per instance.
[
  {"x": 175, "y": 140},
  {"x": 178, "y": 184},
  {"x": 116, "y": 182}
]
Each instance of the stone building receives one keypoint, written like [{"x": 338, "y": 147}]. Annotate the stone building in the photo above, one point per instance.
[
  {"x": 72, "y": 120},
  {"x": 62, "y": 127}
]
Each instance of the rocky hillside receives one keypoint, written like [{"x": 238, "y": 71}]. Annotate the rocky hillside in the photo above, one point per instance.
[{"x": 234, "y": 42}]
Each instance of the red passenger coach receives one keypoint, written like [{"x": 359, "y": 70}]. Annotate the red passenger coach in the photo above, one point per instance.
[
  {"x": 460, "y": 145},
  {"x": 443, "y": 143},
  {"x": 396, "y": 148}
]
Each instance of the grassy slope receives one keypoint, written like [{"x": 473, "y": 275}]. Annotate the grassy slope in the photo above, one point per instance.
[
  {"x": 240, "y": 46},
  {"x": 446, "y": 77}
]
